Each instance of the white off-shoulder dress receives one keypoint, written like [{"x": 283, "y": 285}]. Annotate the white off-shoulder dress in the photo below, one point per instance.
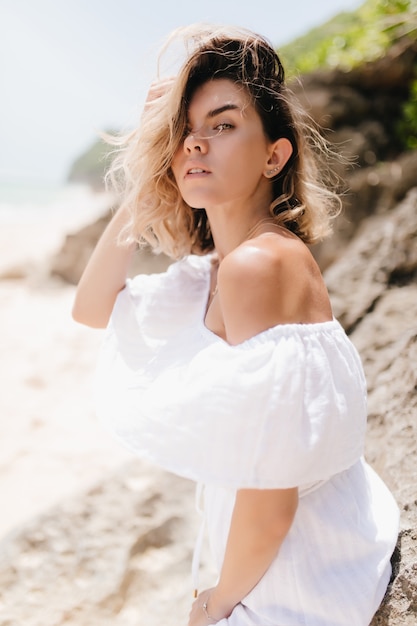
[{"x": 285, "y": 408}]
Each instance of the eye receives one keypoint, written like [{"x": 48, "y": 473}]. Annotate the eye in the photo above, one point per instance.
[{"x": 222, "y": 127}]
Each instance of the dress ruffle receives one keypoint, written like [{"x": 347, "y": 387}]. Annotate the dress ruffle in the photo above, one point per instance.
[{"x": 284, "y": 408}]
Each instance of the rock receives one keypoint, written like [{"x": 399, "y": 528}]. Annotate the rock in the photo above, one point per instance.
[
  {"x": 390, "y": 74},
  {"x": 362, "y": 144},
  {"x": 331, "y": 107},
  {"x": 381, "y": 187},
  {"x": 119, "y": 554},
  {"x": 383, "y": 254},
  {"x": 370, "y": 190},
  {"x": 373, "y": 289},
  {"x": 387, "y": 341},
  {"x": 69, "y": 262},
  {"x": 360, "y": 112}
]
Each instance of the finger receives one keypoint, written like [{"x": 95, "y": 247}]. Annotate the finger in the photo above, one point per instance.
[{"x": 159, "y": 88}]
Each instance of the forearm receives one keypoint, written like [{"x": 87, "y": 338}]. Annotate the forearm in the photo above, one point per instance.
[
  {"x": 104, "y": 276},
  {"x": 260, "y": 522}
]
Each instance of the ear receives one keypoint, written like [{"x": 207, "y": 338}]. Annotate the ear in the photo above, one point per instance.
[{"x": 280, "y": 152}]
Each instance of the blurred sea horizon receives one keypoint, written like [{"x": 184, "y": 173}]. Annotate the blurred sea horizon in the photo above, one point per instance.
[
  {"x": 61, "y": 202},
  {"x": 36, "y": 217},
  {"x": 34, "y": 194}
]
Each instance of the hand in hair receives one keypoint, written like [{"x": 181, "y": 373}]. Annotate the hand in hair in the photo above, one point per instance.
[{"x": 159, "y": 88}]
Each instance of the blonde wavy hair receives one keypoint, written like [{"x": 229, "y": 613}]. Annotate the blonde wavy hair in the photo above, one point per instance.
[{"x": 303, "y": 199}]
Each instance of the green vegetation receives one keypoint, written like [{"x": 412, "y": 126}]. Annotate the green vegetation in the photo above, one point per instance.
[
  {"x": 352, "y": 38},
  {"x": 91, "y": 166},
  {"x": 407, "y": 127}
]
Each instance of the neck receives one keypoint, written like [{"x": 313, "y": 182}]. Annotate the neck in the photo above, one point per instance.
[
  {"x": 230, "y": 231},
  {"x": 231, "y": 227}
]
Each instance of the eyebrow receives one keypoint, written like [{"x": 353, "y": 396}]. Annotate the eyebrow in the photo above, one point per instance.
[{"x": 222, "y": 109}]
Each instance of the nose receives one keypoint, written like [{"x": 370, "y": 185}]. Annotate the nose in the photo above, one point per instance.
[{"x": 193, "y": 143}]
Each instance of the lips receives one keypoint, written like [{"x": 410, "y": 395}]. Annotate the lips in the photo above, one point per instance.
[{"x": 195, "y": 169}]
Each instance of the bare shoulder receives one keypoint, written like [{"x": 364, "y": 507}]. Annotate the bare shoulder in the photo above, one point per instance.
[
  {"x": 270, "y": 255},
  {"x": 270, "y": 280}
]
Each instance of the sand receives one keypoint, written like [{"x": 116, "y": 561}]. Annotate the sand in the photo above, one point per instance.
[{"x": 51, "y": 444}]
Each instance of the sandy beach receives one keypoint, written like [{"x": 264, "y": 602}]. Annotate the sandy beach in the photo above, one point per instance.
[{"x": 51, "y": 444}]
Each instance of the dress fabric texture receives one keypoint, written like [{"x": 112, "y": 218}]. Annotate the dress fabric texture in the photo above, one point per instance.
[{"x": 286, "y": 408}]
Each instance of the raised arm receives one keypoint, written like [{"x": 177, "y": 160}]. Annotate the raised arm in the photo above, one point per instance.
[{"x": 104, "y": 276}]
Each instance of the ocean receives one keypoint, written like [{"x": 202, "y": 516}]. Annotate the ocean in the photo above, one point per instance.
[
  {"x": 35, "y": 218},
  {"x": 65, "y": 204}
]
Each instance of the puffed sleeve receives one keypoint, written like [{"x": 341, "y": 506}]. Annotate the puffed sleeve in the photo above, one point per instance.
[{"x": 283, "y": 409}]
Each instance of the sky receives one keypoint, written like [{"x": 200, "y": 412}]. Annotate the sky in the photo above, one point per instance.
[{"x": 69, "y": 68}]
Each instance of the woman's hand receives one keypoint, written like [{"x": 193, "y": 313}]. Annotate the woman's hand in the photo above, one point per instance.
[
  {"x": 198, "y": 616},
  {"x": 157, "y": 89}
]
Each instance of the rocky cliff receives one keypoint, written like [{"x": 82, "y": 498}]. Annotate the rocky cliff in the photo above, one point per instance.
[{"x": 373, "y": 289}]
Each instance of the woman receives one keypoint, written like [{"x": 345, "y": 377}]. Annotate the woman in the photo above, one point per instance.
[{"x": 229, "y": 368}]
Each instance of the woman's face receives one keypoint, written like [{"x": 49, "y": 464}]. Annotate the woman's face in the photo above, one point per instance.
[{"x": 223, "y": 157}]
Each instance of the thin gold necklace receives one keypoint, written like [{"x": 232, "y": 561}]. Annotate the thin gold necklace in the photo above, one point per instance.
[{"x": 265, "y": 220}]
